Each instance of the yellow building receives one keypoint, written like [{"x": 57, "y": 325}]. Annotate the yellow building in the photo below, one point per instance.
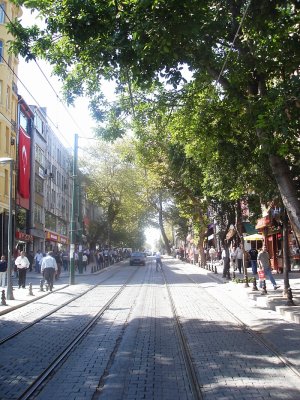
[{"x": 8, "y": 113}]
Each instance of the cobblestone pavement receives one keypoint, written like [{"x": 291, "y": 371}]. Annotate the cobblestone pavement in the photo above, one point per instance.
[{"x": 133, "y": 352}]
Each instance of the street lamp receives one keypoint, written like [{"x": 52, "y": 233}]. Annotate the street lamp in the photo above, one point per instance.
[{"x": 10, "y": 161}]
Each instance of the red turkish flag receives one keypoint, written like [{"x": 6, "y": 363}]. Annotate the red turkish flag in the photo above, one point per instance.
[{"x": 24, "y": 164}]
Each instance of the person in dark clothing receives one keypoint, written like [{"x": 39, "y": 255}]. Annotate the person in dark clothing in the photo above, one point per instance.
[
  {"x": 3, "y": 269},
  {"x": 253, "y": 260}
]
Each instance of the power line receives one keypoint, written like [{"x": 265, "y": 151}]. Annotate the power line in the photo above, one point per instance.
[
  {"x": 35, "y": 100},
  {"x": 57, "y": 96},
  {"x": 28, "y": 91}
]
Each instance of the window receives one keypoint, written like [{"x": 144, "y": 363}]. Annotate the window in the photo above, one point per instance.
[
  {"x": 1, "y": 51},
  {"x": 2, "y": 12},
  {"x": 8, "y": 93},
  {"x": 23, "y": 121},
  {"x": 38, "y": 214},
  {"x": 54, "y": 171},
  {"x": 39, "y": 186},
  {"x": 39, "y": 125},
  {"x": 7, "y": 140},
  {"x": 39, "y": 155},
  {"x": 1, "y": 92},
  {"x": 6, "y": 183}
]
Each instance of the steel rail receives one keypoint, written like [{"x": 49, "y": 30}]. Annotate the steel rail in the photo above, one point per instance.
[
  {"x": 54, "y": 310},
  {"x": 186, "y": 353},
  {"x": 40, "y": 380}
]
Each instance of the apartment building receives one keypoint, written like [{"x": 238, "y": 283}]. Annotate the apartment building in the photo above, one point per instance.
[{"x": 8, "y": 115}]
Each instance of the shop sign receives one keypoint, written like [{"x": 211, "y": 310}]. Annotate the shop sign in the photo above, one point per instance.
[
  {"x": 262, "y": 222},
  {"x": 24, "y": 236},
  {"x": 51, "y": 236},
  {"x": 56, "y": 238}
]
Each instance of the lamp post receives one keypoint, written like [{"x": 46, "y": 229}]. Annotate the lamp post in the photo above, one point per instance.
[
  {"x": 73, "y": 213},
  {"x": 10, "y": 161}
]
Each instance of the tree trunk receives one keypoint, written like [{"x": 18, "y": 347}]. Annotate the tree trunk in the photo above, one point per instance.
[
  {"x": 161, "y": 225},
  {"x": 286, "y": 253},
  {"x": 202, "y": 258},
  {"x": 287, "y": 190}
]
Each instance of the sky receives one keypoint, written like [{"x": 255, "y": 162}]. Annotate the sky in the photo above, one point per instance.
[{"x": 35, "y": 89}]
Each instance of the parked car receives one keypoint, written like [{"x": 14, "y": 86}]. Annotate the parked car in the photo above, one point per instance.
[{"x": 137, "y": 258}]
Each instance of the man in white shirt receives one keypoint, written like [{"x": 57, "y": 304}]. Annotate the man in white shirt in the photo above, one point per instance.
[
  {"x": 22, "y": 264},
  {"x": 48, "y": 268},
  {"x": 239, "y": 256},
  {"x": 84, "y": 260}
]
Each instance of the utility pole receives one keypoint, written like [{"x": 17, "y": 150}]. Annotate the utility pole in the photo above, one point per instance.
[
  {"x": 80, "y": 266},
  {"x": 73, "y": 213}
]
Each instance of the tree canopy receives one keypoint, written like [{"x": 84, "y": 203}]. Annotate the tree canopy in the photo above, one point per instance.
[{"x": 247, "y": 52}]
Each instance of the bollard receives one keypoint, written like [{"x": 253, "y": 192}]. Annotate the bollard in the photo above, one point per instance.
[
  {"x": 47, "y": 287},
  {"x": 216, "y": 271},
  {"x": 290, "y": 301},
  {"x": 42, "y": 285},
  {"x": 254, "y": 287},
  {"x": 92, "y": 269},
  {"x": 3, "y": 299},
  {"x": 264, "y": 288},
  {"x": 30, "y": 290},
  {"x": 233, "y": 274},
  {"x": 11, "y": 290}
]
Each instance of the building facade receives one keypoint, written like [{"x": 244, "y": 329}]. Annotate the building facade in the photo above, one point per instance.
[{"x": 8, "y": 114}]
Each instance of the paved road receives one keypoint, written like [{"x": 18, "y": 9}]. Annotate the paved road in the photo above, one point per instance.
[{"x": 133, "y": 352}]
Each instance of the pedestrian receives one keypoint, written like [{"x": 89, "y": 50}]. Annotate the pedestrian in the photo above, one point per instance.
[
  {"x": 261, "y": 276},
  {"x": 22, "y": 264},
  {"x": 65, "y": 261},
  {"x": 84, "y": 260},
  {"x": 58, "y": 260},
  {"x": 253, "y": 259},
  {"x": 225, "y": 260},
  {"x": 239, "y": 258},
  {"x": 263, "y": 260},
  {"x": 48, "y": 268},
  {"x": 232, "y": 257},
  {"x": 37, "y": 261},
  {"x": 3, "y": 269},
  {"x": 158, "y": 261},
  {"x": 212, "y": 254},
  {"x": 31, "y": 260}
]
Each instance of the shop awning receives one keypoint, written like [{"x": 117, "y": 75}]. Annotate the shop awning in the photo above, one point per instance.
[
  {"x": 249, "y": 228},
  {"x": 252, "y": 238}
]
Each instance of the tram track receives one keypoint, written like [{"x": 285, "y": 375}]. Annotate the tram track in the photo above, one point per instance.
[
  {"x": 258, "y": 337},
  {"x": 54, "y": 310},
  {"x": 189, "y": 365},
  {"x": 54, "y": 366}
]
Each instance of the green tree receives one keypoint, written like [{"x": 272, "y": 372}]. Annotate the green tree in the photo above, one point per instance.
[
  {"x": 250, "y": 50},
  {"x": 116, "y": 185}
]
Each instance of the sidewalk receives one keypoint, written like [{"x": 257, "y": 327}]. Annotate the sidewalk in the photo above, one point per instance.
[
  {"x": 23, "y": 296},
  {"x": 272, "y": 300}
]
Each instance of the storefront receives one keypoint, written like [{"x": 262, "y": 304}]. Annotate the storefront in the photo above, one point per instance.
[
  {"x": 55, "y": 242},
  {"x": 271, "y": 229},
  {"x": 273, "y": 240},
  {"x": 23, "y": 241}
]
